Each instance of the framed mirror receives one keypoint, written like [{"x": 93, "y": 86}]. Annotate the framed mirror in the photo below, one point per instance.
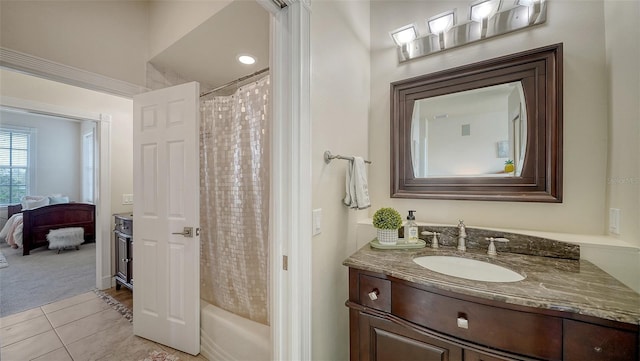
[{"x": 486, "y": 131}]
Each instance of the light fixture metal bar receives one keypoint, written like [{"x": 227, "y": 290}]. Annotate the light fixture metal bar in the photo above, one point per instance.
[{"x": 510, "y": 19}]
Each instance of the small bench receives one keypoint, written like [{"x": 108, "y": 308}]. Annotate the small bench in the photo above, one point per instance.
[{"x": 65, "y": 238}]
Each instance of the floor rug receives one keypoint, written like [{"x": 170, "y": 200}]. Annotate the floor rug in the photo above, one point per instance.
[
  {"x": 122, "y": 309},
  {"x": 3, "y": 261},
  {"x": 160, "y": 356}
]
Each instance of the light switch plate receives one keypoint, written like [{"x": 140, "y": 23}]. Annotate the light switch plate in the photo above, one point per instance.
[
  {"x": 614, "y": 220},
  {"x": 127, "y": 199},
  {"x": 317, "y": 221}
]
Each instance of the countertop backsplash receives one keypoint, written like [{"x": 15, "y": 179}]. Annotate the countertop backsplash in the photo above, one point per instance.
[{"x": 518, "y": 243}]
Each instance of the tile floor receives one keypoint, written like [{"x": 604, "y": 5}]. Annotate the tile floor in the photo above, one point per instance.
[{"x": 83, "y": 327}]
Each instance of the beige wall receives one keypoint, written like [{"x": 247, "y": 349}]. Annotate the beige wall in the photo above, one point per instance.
[
  {"x": 339, "y": 113},
  {"x": 104, "y": 37},
  {"x": 73, "y": 100},
  {"x": 623, "y": 71},
  {"x": 171, "y": 20},
  {"x": 580, "y": 26}
]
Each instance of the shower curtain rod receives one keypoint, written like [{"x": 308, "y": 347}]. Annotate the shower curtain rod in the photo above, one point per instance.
[{"x": 235, "y": 81}]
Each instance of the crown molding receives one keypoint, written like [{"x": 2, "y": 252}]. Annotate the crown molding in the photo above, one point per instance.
[{"x": 36, "y": 66}]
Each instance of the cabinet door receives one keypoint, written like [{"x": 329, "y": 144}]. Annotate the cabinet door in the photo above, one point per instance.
[
  {"x": 584, "y": 341},
  {"x": 382, "y": 340},
  {"x": 122, "y": 256},
  {"x": 130, "y": 262}
]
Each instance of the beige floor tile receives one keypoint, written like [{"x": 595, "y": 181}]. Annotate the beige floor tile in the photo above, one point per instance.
[
  {"x": 60, "y": 354},
  {"x": 73, "y": 331},
  {"x": 101, "y": 343},
  {"x": 19, "y": 317},
  {"x": 133, "y": 348},
  {"x": 32, "y": 347},
  {"x": 20, "y": 331},
  {"x": 78, "y": 311},
  {"x": 183, "y": 356},
  {"x": 68, "y": 302}
]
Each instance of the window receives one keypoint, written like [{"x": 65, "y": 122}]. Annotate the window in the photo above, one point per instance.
[
  {"x": 88, "y": 166},
  {"x": 14, "y": 165}
]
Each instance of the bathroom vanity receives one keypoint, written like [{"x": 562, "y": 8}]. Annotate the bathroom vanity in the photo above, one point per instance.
[{"x": 564, "y": 309}]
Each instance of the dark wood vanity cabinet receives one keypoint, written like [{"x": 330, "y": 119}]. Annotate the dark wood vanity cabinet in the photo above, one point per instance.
[
  {"x": 392, "y": 319},
  {"x": 123, "y": 235}
]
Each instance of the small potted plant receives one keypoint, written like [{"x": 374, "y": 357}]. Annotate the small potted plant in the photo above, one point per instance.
[
  {"x": 387, "y": 221},
  {"x": 508, "y": 166}
]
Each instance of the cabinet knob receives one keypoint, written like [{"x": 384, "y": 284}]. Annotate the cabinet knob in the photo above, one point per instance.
[
  {"x": 597, "y": 349},
  {"x": 463, "y": 322},
  {"x": 373, "y": 295}
]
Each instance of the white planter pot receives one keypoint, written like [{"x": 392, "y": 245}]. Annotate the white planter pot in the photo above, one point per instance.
[{"x": 388, "y": 236}]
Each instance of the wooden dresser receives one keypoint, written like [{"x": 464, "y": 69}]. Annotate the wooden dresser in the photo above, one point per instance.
[{"x": 123, "y": 235}]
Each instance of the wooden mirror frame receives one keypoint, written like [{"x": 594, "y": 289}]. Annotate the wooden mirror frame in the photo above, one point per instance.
[{"x": 540, "y": 71}]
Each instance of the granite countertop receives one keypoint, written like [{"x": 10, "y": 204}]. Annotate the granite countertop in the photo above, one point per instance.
[{"x": 575, "y": 286}]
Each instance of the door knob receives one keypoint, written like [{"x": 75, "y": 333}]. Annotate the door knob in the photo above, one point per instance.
[{"x": 187, "y": 232}]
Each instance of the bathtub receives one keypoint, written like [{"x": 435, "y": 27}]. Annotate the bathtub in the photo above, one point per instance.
[{"x": 225, "y": 336}]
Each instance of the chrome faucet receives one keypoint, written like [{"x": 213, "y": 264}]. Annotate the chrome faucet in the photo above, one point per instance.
[
  {"x": 462, "y": 235},
  {"x": 492, "y": 247},
  {"x": 434, "y": 240}
]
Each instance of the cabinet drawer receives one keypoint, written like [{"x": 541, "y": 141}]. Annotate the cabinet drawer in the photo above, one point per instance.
[
  {"x": 584, "y": 341},
  {"x": 124, "y": 225},
  {"x": 519, "y": 332},
  {"x": 375, "y": 293}
]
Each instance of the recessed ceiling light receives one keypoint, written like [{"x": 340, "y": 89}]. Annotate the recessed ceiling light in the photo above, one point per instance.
[{"x": 246, "y": 59}]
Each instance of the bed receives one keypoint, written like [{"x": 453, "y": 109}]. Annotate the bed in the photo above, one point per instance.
[{"x": 36, "y": 223}]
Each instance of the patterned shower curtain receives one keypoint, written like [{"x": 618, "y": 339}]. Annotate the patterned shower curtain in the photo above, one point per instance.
[{"x": 234, "y": 192}]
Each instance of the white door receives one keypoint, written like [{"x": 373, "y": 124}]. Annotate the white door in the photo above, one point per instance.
[{"x": 166, "y": 263}]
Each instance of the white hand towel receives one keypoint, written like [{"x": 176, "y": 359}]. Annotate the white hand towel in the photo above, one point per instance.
[{"x": 356, "y": 185}]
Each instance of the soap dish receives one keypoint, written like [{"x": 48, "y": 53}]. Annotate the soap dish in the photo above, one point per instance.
[{"x": 401, "y": 244}]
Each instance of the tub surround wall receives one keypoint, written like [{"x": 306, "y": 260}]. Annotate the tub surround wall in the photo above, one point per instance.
[{"x": 225, "y": 336}]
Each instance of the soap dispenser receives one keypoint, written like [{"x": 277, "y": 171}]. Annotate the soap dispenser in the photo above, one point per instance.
[{"x": 411, "y": 229}]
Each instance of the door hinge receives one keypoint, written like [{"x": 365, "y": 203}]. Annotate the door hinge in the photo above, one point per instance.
[{"x": 285, "y": 262}]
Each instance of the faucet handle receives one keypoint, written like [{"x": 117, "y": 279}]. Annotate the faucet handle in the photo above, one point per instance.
[
  {"x": 492, "y": 247},
  {"x": 434, "y": 240}
]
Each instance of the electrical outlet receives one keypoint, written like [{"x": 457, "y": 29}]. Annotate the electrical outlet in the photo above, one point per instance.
[
  {"x": 317, "y": 221},
  {"x": 127, "y": 199},
  {"x": 614, "y": 220}
]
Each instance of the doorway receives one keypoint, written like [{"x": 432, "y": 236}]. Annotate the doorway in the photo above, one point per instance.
[
  {"x": 290, "y": 64},
  {"x": 41, "y": 96}
]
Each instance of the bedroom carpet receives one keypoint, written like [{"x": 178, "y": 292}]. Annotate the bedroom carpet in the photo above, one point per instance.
[
  {"x": 45, "y": 276},
  {"x": 3, "y": 260}
]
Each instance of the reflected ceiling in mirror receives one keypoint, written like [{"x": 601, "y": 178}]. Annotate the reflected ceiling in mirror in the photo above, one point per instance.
[
  {"x": 475, "y": 133},
  {"x": 441, "y": 149}
]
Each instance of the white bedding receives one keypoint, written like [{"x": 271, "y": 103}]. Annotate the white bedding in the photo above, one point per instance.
[{"x": 12, "y": 231}]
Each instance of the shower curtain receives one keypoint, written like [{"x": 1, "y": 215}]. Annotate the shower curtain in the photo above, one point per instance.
[{"x": 234, "y": 192}]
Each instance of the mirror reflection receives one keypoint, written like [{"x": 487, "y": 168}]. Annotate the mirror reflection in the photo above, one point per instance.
[{"x": 475, "y": 133}]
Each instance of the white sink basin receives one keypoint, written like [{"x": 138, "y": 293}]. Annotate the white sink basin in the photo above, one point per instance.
[{"x": 468, "y": 268}]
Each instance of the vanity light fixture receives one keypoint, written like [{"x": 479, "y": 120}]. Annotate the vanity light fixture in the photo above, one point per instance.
[
  {"x": 404, "y": 34},
  {"x": 535, "y": 8},
  {"x": 440, "y": 24},
  {"x": 481, "y": 10},
  {"x": 487, "y": 18},
  {"x": 246, "y": 59}
]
